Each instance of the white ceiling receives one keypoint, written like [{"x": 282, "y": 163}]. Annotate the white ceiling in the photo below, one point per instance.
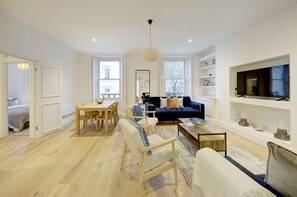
[{"x": 120, "y": 26}]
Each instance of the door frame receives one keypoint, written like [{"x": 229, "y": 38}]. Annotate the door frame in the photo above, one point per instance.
[{"x": 5, "y": 65}]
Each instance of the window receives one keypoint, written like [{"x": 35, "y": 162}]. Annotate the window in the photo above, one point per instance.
[
  {"x": 174, "y": 77},
  {"x": 107, "y": 75}
]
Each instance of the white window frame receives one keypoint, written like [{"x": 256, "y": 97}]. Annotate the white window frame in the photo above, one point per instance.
[
  {"x": 98, "y": 59},
  {"x": 185, "y": 71}
]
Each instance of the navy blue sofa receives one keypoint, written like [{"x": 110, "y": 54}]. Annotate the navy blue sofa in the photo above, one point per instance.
[{"x": 191, "y": 109}]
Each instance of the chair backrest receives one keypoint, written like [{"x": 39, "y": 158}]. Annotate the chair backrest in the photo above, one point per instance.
[
  {"x": 132, "y": 138},
  {"x": 129, "y": 111}
]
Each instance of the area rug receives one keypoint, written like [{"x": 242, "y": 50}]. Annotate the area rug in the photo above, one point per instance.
[{"x": 186, "y": 152}]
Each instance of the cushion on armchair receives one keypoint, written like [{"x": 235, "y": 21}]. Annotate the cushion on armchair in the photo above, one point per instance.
[
  {"x": 137, "y": 111},
  {"x": 142, "y": 134},
  {"x": 282, "y": 170}
]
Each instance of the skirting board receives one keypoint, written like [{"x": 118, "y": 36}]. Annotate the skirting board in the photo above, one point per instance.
[{"x": 67, "y": 119}]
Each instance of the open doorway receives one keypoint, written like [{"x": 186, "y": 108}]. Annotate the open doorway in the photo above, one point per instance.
[{"x": 18, "y": 97}]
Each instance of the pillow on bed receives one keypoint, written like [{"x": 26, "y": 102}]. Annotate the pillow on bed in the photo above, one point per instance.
[{"x": 13, "y": 101}]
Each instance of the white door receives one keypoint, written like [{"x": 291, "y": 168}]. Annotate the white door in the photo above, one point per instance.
[{"x": 48, "y": 99}]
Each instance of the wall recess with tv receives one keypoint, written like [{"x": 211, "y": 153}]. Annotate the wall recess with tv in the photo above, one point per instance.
[{"x": 255, "y": 90}]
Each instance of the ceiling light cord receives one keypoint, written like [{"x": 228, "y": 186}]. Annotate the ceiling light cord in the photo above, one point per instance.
[{"x": 150, "y": 21}]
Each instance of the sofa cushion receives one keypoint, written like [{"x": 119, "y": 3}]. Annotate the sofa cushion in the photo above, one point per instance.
[
  {"x": 281, "y": 169},
  {"x": 180, "y": 102},
  {"x": 172, "y": 102},
  {"x": 163, "y": 102},
  {"x": 186, "y": 101}
]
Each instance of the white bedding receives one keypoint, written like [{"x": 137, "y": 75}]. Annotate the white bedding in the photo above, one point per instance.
[{"x": 18, "y": 115}]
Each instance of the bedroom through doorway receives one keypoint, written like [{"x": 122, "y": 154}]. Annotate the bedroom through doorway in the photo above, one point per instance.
[
  {"x": 18, "y": 96},
  {"x": 18, "y": 99}
]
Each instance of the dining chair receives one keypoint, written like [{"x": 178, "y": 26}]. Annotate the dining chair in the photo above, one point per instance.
[
  {"x": 153, "y": 154},
  {"x": 86, "y": 116},
  {"x": 111, "y": 117},
  {"x": 136, "y": 113}
]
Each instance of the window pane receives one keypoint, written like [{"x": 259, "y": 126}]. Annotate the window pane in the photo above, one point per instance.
[
  {"x": 109, "y": 69},
  {"x": 174, "y": 69},
  {"x": 174, "y": 87},
  {"x": 110, "y": 88}
]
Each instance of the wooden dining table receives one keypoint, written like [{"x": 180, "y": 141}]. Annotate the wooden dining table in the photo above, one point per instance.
[{"x": 93, "y": 107}]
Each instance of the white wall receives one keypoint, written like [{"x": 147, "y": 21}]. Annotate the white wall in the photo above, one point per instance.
[
  {"x": 18, "y": 84},
  {"x": 132, "y": 62},
  {"x": 16, "y": 40},
  {"x": 273, "y": 37}
]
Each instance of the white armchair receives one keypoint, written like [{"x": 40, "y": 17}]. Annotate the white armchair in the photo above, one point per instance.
[
  {"x": 149, "y": 123},
  {"x": 162, "y": 158}
]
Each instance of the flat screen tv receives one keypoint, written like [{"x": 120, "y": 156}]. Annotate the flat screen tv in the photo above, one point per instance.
[{"x": 273, "y": 82}]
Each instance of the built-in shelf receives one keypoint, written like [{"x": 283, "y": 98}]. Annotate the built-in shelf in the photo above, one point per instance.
[
  {"x": 268, "y": 135},
  {"x": 262, "y": 102},
  {"x": 207, "y": 86},
  {"x": 208, "y": 67},
  {"x": 207, "y": 77},
  {"x": 207, "y": 57}
]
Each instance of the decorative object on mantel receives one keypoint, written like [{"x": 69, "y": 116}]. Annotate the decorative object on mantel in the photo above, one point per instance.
[
  {"x": 243, "y": 120},
  {"x": 257, "y": 127},
  {"x": 213, "y": 61},
  {"x": 282, "y": 132},
  {"x": 150, "y": 54}
]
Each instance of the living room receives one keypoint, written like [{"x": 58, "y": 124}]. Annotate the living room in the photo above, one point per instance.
[{"x": 262, "y": 35}]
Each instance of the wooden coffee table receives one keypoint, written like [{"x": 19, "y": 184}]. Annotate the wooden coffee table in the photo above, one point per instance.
[{"x": 203, "y": 136}]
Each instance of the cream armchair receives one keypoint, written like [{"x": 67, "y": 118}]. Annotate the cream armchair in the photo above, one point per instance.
[
  {"x": 162, "y": 158},
  {"x": 149, "y": 123}
]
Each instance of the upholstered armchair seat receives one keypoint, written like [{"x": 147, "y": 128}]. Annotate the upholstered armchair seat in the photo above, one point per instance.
[{"x": 158, "y": 156}]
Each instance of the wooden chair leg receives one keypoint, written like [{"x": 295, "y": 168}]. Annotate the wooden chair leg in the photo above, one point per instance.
[
  {"x": 141, "y": 174},
  {"x": 174, "y": 161},
  {"x": 97, "y": 124},
  {"x": 124, "y": 155}
]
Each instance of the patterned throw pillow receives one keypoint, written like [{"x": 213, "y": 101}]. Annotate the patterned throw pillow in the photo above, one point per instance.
[
  {"x": 281, "y": 171},
  {"x": 142, "y": 134},
  {"x": 137, "y": 111},
  {"x": 172, "y": 102}
]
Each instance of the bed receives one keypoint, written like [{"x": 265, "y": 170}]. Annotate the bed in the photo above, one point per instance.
[{"x": 18, "y": 117}]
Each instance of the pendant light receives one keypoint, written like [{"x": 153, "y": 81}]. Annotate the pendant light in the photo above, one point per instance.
[
  {"x": 23, "y": 66},
  {"x": 150, "y": 54}
]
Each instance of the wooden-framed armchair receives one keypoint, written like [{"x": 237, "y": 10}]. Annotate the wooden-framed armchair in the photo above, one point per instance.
[
  {"x": 161, "y": 159},
  {"x": 149, "y": 123}
]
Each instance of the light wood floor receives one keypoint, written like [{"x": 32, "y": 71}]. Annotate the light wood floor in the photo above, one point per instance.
[{"x": 62, "y": 164}]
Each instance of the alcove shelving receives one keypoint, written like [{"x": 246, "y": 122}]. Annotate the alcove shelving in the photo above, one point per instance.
[{"x": 265, "y": 112}]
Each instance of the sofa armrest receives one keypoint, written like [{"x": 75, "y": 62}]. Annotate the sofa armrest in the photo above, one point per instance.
[
  {"x": 211, "y": 170},
  {"x": 150, "y": 107},
  {"x": 198, "y": 106}
]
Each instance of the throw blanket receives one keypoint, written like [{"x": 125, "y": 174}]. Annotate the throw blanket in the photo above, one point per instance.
[{"x": 18, "y": 115}]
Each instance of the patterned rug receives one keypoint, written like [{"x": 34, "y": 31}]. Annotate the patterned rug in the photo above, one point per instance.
[{"x": 186, "y": 152}]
